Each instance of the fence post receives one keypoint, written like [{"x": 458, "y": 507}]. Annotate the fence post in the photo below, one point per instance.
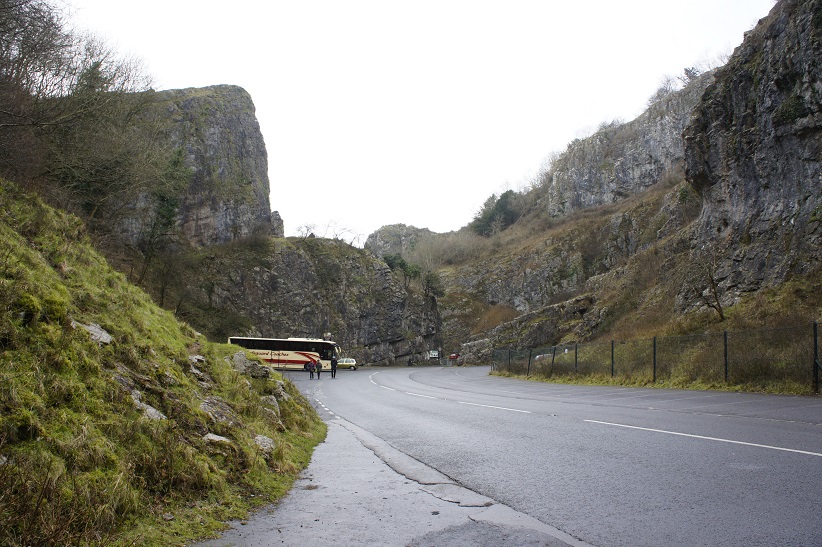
[
  {"x": 553, "y": 356},
  {"x": 528, "y": 373},
  {"x": 725, "y": 337},
  {"x": 816, "y": 365},
  {"x": 654, "y": 359},
  {"x": 612, "y": 358}
]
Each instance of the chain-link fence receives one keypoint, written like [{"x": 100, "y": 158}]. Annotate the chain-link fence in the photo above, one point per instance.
[{"x": 786, "y": 358}]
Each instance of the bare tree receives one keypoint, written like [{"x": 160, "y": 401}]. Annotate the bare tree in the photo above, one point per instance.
[
  {"x": 52, "y": 80},
  {"x": 706, "y": 261},
  {"x": 306, "y": 230}
]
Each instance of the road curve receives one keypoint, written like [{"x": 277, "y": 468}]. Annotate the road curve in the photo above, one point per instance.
[{"x": 601, "y": 465}]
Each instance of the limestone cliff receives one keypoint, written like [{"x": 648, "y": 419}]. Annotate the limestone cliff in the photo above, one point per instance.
[
  {"x": 754, "y": 152},
  {"x": 749, "y": 217},
  {"x": 226, "y": 196},
  {"x": 622, "y": 159},
  {"x": 617, "y": 162},
  {"x": 311, "y": 286},
  {"x": 225, "y": 265},
  {"x": 395, "y": 239}
]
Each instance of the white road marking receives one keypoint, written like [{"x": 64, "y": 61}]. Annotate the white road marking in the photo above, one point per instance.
[
  {"x": 418, "y": 395},
  {"x": 497, "y": 407},
  {"x": 371, "y": 379},
  {"x": 709, "y": 438}
]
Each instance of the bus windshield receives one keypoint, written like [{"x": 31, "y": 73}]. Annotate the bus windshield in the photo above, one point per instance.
[{"x": 289, "y": 353}]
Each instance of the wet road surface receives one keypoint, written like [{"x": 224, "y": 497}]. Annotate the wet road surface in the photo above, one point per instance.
[
  {"x": 566, "y": 464},
  {"x": 350, "y": 496}
]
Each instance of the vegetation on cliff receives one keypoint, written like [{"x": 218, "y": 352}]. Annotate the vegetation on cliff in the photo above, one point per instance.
[
  {"x": 613, "y": 241},
  {"x": 120, "y": 424}
]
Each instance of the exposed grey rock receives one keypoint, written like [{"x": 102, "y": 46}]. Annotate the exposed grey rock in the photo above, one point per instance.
[
  {"x": 476, "y": 352},
  {"x": 150, "y": 412},
  {"x": 98, "y": 333},
  {"x": 219, "y": 411},
  {"x": 309, "y": 287},
  {"x": 216, "y": 439},
  {"x": 243, "y": 364},
  {"x": 168, "y": 379},
  {"x": 280, "y": 392},
  {"x": 271, "y": 402},
  {"x": 266, "y": 444},
  {"x": 395, "y": 239},
  {"x": 227, "y": 197},
  {"x": 197, "y": 373},
  {"x": 622, "y": 159},
  {"x": 754, "y": 153}
]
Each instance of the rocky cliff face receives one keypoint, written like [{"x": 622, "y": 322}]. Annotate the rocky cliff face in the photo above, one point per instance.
[
  {"x": 751, "y": 151},
  {"x": 621, "y": 160},
  {"x": 754, "y": 152},
  {"x": 308, "y": 287},
  {"x": 395, "y": 239},
  {"x": 559, "y": 265},
  {"x": 227, "y": 197},
  {"x": 238, "y": 274}
]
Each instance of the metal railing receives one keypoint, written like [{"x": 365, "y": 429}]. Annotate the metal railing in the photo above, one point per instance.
[{"x": 762, "y": 358}]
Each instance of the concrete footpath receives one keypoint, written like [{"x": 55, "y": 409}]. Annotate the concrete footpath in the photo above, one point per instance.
[{"x": 360, "y": 491}]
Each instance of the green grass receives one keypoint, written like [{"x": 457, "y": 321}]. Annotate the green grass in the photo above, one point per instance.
[
  {"x": 600, "y": 379},
  {"x": 80, "y": 463}
]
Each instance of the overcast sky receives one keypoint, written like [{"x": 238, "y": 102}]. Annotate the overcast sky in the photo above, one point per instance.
[{"x": 379, "y": 112}]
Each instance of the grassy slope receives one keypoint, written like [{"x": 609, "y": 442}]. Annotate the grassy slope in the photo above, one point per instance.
[{"x": 79, "y": 462}]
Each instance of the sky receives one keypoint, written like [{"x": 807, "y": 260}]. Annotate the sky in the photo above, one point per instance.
[{"x": 378, "y": 112}]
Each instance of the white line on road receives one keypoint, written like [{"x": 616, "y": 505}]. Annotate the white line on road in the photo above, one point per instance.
[
  {"x": 371, "y": 379},
  {"x": 497, "y": 407},
  {"x": 709, "y": 438},
  {"x": 418, "y": 395}
]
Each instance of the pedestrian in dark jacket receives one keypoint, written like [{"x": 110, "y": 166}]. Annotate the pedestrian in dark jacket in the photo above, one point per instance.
[
  {"x": 319, "y": 368},
  {"x": 311, "y": 367},
  {"x": 333, "y": 367}
]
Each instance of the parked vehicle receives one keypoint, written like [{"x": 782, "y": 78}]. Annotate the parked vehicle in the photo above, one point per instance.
[
  {"x": 289, "y": 353},
  {"x": 347, "y": 362}
]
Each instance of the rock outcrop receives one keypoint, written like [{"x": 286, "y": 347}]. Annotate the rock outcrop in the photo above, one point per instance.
[
  {"x": 611, "y": 166},
  {"x": 308, "y": 287},
  {"x": 395, "y": 239},
  {"x": 622, "y": 159},
  {"x": 754, "y": 152},
  {"x": 226, "y": 196}
]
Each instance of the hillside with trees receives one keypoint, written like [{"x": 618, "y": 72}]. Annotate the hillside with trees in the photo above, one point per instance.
[{"x": 119, "y": 423}]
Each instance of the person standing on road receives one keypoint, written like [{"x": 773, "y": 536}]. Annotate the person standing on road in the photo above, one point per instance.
[
  {"x": 319, "y": 368},
  {"x": 311, "y": 369},
  {"x": 333, "y": 366}
]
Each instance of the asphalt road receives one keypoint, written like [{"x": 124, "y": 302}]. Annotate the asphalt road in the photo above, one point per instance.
[
  {"x": 608, "y": 466},
  {"x": 435, "y": 456}
]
